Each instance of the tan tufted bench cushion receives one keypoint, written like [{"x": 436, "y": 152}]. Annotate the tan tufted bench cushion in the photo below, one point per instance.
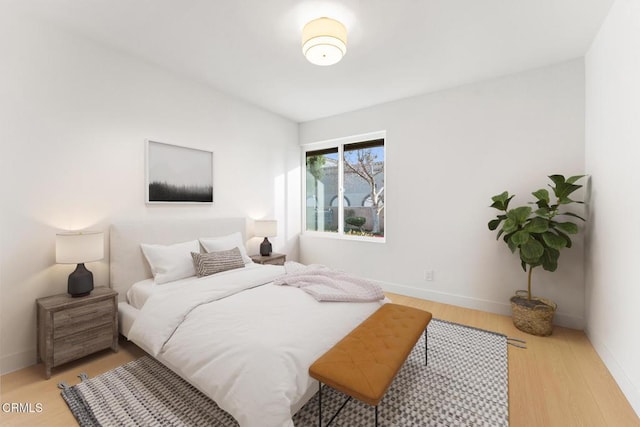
[{"x": 365, "y": 362}]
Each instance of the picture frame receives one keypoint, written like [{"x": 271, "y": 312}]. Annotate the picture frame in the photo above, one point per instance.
[{"x": 177, "y": 175}]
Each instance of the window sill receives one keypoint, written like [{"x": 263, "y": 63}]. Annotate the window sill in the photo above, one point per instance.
[{"x": 336, "y": 236}]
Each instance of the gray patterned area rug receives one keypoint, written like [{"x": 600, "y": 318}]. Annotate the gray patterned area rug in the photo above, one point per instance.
[{"x": 464, "y": 384}]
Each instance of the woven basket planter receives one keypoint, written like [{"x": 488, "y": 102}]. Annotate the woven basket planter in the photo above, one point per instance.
[{"x": 535, "y": 320}]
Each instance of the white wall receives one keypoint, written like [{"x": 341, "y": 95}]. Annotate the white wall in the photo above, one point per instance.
[
  {"x": 447, "y": 154},
  {"x": 74, "y": 117},
  {"x": 612, "y": 156}
]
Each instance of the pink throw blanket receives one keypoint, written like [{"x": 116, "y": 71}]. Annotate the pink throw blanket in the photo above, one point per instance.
[{"x": 325, "y": 284}]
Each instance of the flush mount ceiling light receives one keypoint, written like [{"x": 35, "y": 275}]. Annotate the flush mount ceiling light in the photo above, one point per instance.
[{"x": 324, "y": 41}]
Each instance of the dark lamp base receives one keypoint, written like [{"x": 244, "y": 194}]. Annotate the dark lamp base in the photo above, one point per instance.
[
  {"x": 80, "y": 282},
  {"x": 265, "y": 247}
]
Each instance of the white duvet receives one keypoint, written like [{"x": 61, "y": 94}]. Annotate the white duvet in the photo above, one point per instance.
[{"x": 244, "y": 341}]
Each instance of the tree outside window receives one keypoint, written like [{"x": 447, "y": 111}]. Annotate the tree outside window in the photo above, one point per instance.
[{"x": 365, "y": 160}]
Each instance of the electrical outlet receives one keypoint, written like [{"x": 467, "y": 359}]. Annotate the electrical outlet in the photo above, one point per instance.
[{"x": 428, "y": 275}]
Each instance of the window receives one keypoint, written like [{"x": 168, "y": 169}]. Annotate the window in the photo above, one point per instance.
[{"x": 344, "y": 187}]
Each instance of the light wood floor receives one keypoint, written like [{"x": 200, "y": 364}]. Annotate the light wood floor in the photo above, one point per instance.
[{"x": 557, "y": 381}]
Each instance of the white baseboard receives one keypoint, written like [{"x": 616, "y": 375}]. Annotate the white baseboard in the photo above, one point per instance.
[
  {"x": 17, "y": 361},
  {"x": 561, "y": 319},
  {"x": 631, "y": 392}
]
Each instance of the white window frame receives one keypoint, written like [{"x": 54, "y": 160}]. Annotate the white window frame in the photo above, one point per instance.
[{"x": 340, "y": 143}]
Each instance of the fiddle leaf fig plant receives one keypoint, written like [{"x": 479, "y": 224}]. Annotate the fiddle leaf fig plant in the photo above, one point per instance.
[{"x": 538, "y": 234}]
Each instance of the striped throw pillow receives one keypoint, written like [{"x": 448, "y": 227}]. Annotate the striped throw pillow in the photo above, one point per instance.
[{"x": 217, "y": 262}]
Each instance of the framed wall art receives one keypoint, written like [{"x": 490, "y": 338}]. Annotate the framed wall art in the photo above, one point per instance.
[{"x": 176, "y": 174}]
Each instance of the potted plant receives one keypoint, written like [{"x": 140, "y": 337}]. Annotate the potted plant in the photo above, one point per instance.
[{"x": 537, "y": 236}]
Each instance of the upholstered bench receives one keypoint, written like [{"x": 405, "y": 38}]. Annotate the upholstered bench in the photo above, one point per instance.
[{"x": 364, "y": 363}]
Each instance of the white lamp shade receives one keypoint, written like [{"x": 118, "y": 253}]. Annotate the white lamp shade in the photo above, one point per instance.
[
  {"x": 79, "y": 247},
  {"x": 266, "y": 228},
  {"x": 324, "y": 41}
]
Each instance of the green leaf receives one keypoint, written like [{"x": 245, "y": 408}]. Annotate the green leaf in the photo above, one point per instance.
[
  {"x": 520, "y": 237},
  {"x": 532, "y": 263},
  {"x": 567, "y": 201},
  {"x": 509, "y": 226},
  {"x": 557, "y": 179},
  {"x": 501, "y": 201},
  {"x": 554, "y": 241},
  {"x": 564, "y": 190},
  {"x": 567, "y": 227},
  {"x": 524, "y": 265},
  {"x": 494, "y": 223},
  {"x": 531, "y": 250},
  {"x": 502, "y": 197},
  {"x": 543, "y": 211},
  {"x": 573, "y": 179},
  {"x": 572, "y": 214},
  {"x": 565, "y": 237},
  {"x": 499, "y": 233},
  {"x": 542, "y": 195},
  {"x": 541, "y": 204},
  {"x": 537, "y": 225},
  {"x": 519, "y": 215},
  {"x": 550, "y": 259},
  {"x": 511, "y": 243}
]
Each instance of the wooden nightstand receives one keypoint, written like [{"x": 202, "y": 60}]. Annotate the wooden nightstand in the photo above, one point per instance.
[
  {"x": 274, "y": 259},
  {"x": 70, "y": 328}
]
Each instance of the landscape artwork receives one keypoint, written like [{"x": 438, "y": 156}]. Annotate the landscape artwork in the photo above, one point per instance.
[{"x": 178, "y": 174}]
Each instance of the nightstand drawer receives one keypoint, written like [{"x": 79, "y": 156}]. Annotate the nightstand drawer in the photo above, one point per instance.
[
  {"x": 74, "y": 320},
  {"x": 86, "y": 342}
]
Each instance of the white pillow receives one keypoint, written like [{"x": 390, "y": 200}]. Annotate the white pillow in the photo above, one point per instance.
[
  {"x": 171, "y": 262},
  {"x": 224, "y": 243}
]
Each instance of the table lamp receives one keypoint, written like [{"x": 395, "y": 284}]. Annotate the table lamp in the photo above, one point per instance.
[
  {"x": 78, "y": 248},
  {"x": 266, "y": 228}
]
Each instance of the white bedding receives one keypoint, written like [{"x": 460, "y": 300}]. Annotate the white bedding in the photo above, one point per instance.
[
  {"x": 140, "y": 292},
  {"x": 250, "y": 348}
]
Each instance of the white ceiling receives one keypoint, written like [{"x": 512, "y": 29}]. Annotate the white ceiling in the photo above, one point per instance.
[{"x": 396, "y": 48}]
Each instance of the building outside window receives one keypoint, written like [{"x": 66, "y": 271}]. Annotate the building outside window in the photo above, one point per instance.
[{"x": 344, "y": 187}]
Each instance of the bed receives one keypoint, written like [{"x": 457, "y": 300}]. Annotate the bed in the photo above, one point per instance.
[{"x": 244, "y": 341}]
